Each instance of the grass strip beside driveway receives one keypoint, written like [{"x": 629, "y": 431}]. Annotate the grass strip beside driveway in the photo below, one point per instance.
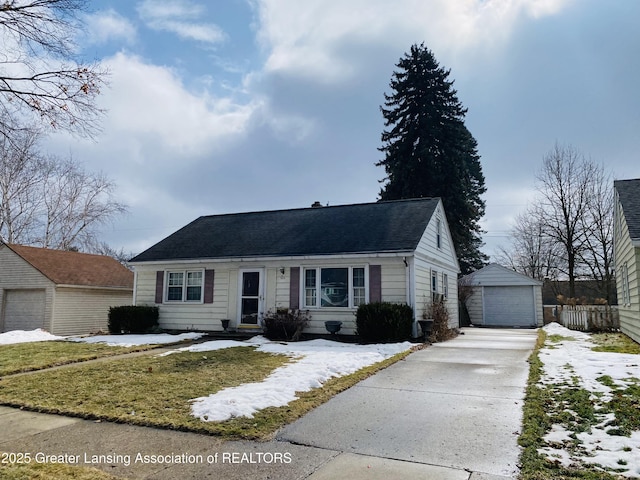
[
  {"x": 26, "y": 357},
  {"x": 577, "y": 410}
]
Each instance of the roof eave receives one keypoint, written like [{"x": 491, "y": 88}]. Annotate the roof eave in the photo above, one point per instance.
[
  {"x": 268, "y": 258},
  {"x": 96, "y": 287}
]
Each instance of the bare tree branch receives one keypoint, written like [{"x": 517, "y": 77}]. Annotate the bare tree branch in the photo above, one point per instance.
[
  {"x": 567, "y": 231},
  {"x": 40, "y": 81},
  {"x": 51, "y": 202}
]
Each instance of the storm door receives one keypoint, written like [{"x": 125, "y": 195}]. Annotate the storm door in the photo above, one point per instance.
[{"x": 251, "y": 296}]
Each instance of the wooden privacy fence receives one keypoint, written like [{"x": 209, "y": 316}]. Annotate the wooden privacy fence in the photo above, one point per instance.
[{"x": 589, "y": 318}]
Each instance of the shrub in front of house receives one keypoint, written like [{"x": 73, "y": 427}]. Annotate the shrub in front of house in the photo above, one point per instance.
[
  {"x": 285, "y": 324},
  {"x": 384, "y": 322},
  {"x": 439, "y": 313},
  {"x": 133, "y": 319}
]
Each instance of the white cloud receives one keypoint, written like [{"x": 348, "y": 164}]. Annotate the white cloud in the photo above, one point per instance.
[
  {"x": 180, "y": 17},
  {"x": 108, "y": 25},
  {"x": 310, "y": 38},
  {"x": 149, "y": 102}
]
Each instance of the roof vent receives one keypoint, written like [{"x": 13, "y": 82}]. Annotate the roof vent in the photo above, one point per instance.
[{"x": 316, "y": 204}]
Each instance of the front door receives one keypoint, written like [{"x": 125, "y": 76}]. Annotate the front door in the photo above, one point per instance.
[{"x": 250, "y": 296}]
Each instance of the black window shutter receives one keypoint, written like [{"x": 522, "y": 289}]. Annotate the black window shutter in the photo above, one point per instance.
[
  {"x": 375, "y": 283},
  {"x": 294, "y": 288},
  {"x": 208, "y": 286}
]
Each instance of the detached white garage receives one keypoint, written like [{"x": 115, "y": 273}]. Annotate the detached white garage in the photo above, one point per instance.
[
  {"x": 66, "y": 293},
  {"x": 504, "y": 298}
]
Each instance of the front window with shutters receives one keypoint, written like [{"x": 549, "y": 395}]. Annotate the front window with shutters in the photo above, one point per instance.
[
  {"x": 184, "y": 286},
  {"x": 335, "y": 287}
]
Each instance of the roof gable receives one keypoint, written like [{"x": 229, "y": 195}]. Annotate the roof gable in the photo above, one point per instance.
[
  {"x": 74, "y": 268},
  {"x": 497, "y": 275},
  {"x": 629, "y": 197},
  {"x": 346, "y": 229}
]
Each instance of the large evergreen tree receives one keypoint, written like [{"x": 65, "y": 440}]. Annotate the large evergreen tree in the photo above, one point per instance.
[{"x": 429, "y": 152}]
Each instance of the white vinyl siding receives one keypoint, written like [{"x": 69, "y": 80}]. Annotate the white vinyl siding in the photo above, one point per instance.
[
  {"x": 80, "y": 310},
  {"x": 207, "y": 317},
  {"x": 627, "y": 261},
  {"x": 429, "y": 257}
]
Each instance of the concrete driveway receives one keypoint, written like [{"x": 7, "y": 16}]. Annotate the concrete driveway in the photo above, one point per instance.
[{"x": 453, "y": 410}]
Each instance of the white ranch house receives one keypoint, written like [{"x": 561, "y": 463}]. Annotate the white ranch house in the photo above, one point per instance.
[{"x": 327, "y": 260}]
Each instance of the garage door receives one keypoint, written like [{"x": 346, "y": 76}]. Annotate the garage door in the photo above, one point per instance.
[
  {"x": 23, "y": 310},
  {"x": 512, "y": 306}
]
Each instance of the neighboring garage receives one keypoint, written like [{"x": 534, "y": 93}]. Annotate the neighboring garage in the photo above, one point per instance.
[
  {"x": 66, "y": 293},
  {"x": 503, "y": 298}
]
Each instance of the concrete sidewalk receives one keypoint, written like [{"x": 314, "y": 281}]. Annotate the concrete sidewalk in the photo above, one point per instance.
[{"x": 451, "y": 412}]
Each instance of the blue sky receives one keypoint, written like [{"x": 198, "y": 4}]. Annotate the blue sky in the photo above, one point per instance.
[{"x": 244, "y": 105}]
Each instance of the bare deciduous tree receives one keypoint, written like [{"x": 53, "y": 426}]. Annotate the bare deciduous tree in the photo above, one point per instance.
[
  {"x": 564, "y": 186},
  {"x": 597, "y": 254},
  {"x": 49, "y": 202},
  {"x": 40, "y": 81},
  {"x": 531, "y": 252},
  {"x": 567, "y": 231}
]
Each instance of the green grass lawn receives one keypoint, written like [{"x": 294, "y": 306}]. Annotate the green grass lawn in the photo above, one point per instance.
[
  {"x": 615, "y": 342},
  {"x": 25, "y": 357},
  {"x": 155, "y": 391},
  {"x": 49, "y": 471}
]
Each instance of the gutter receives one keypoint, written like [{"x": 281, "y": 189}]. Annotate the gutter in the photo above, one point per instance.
[
  {"x": 94, "y": 287},
  {"x": 290, "y": 258}
]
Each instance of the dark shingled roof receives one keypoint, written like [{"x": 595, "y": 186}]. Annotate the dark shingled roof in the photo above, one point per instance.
[
  {"x": 361, "y": 228},
  {"x": 629, "y": 195}
]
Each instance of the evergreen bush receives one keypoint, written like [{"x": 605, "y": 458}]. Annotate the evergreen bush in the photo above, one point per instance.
[
  {"x": 384, "y": 322},
  {"x": 133, "y": 319}
]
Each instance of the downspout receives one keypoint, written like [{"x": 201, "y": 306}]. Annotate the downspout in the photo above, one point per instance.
[
  {"x": 410, "y": 282},
  {"x": 135, "y": 286}
]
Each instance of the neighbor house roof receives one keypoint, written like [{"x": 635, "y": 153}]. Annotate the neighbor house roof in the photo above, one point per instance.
[
  {"x": 629, "y": 195},
  {"x": 347, "y": 229},
  {"x": 74, "y": 268}
]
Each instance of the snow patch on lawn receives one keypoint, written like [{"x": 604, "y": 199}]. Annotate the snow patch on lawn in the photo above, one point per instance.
[
  {"x": 313, "y": 363},
  {"x": 572, "y": 359},
  {"x": 39, "y": 335},
  {"x": 131, "y": 340},
  {"x": 25, "y": 336}
]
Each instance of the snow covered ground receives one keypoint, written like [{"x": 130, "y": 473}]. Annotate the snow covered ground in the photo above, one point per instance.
[
  {"x": 39, "y": 335},
  {"x": 313, "y": 363},
  {"x": 24, "y": 336},
  {"x": 572, "y": 362},
  {"x": 135, "y": 340}
]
